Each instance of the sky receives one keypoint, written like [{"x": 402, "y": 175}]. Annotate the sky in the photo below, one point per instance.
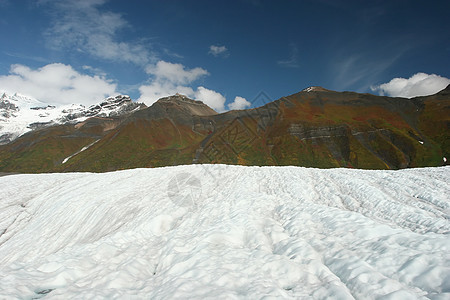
[{"x": 225, "y": 53}]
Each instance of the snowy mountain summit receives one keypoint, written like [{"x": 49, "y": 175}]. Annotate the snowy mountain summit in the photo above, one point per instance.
[
  {"x": 315, "y": 89},
  {"x": 20, "y": 114}
]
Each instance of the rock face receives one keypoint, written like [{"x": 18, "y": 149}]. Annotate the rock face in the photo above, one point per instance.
[
  {"x": 7, "y": 108},
  {"x": 302, "y": 133},
  {"x": 315, "y": 128},
  {"x": 113, "y": 106}
]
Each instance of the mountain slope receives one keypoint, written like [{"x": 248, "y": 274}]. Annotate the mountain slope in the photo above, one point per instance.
[
  {"x": 316, "y": 127},
  {"x": 216, "y": 231}
]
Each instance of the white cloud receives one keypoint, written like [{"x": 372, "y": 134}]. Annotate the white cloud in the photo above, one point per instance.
[
  {"x": 292, "y": 61},
  {"x": 151, "y": 93},
  {"x": 95, "y": 71},
  {"x": 175, "y": 73},
  {"x": 420, "y": 84},
  {"x": 239, "y": 103},
  {"x": 211, "y": 98},
  {"x": 170, "y": 78},
  {"x": 157, "y": 90},
  {"x": 57, "y": 83},
  {"x": 80, "y": 25},
  {"x": 218, "y": 50}
]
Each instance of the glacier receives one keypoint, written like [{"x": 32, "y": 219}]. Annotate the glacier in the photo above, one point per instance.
[
  {"x": 226, "y": 232},
  {"x": 20, "y": 114}
]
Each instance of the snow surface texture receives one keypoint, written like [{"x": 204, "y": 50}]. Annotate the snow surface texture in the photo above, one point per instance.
[{"x": 226, "y": 232}]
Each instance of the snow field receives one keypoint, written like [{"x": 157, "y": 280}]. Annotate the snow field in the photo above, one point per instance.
[{"x": 233, "y": 232}]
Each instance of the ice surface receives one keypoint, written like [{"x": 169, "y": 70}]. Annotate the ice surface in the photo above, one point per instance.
[{"x": 246, "y": 232}]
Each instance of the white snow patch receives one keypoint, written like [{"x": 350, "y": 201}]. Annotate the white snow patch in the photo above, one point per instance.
[
  {"x": 313, "y": 89},
  {"x": 252, "y": 232},
  {"x": 78, "y": 152},
  {"x": 309, "y": 89},
  {"x": 29, "y": 113}
]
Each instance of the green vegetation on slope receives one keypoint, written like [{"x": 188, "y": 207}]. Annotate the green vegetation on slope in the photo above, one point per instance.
[{"x": 318, "y": 129}]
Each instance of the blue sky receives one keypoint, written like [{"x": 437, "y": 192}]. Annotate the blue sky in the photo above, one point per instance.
[{"x": 221, "y": 52}]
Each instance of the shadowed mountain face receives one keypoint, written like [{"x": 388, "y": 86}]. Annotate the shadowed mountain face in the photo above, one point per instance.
[{"x": 313, "y": 128}]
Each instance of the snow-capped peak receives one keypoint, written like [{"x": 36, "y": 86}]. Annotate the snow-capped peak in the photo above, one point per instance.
[
  {"x": 18, "y": 99},
  {"x": 314, "y": 89},
  {"x": 110, "y": 105},
  {"x": 20, "y": 114}
]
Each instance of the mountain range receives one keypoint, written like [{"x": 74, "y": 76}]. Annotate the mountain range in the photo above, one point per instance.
[{"x": 313, "y": 128}]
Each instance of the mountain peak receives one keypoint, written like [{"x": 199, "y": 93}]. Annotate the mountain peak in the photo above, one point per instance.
[
  {"x": 113, "y": 102},
  {"x": 315, "y": 89},
  {"x": 18, "y": 98},
  {"x": 180, "y": 98},
  {"x": 182, "y": 102}
]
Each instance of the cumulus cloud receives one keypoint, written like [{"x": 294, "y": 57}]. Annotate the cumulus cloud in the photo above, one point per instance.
[
  {"x": 81, "y": 25},
  {"x": 420, "y": 84},
  {"x": 211, "y": 98},
  {"x": 218, "y": 50},
  {"x": 57, "y": 84},
  {"x": 175, "y": 73},
  {"x": 171, "y": 78},
  {"x": 239, "y": 103},
  {"x": 156, "y": 90},
  {"x": 168, "y": 79}
]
